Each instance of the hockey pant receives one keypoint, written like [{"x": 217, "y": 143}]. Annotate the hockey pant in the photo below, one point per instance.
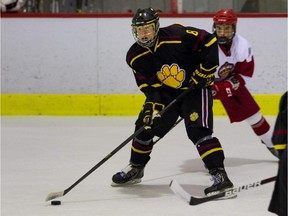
[{"x": 209, "y": 147}]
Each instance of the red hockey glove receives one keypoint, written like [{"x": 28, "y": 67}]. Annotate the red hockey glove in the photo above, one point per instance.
[
  {"x": 227, "y": 88},
  {"x": 222, "y": 90},
  {"x": 152, "y": 118}
]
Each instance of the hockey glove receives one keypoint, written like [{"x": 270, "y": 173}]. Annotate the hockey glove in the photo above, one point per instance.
[
  {"x": 226, "y": 88},
  {"x": 221, "y": 90},
  {"x": 152, "y": 118},
  {"x": 201, "y": 80}
]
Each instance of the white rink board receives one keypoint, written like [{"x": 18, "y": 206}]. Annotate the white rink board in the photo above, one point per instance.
[{"x": 87, "y": 55}]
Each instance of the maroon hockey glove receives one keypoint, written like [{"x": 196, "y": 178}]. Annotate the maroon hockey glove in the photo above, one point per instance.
[{"x": 152, "y": 118}]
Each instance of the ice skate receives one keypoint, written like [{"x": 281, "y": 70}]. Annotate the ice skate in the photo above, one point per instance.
[
  {"x": 221, "y": 182},
  {"x": 129, "y": 175}
]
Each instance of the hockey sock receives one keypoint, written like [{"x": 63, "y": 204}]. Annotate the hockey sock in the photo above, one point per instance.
[
  {"x": 211, "y": 153},
  {"x": 263, "y": 130},
  {"x": 140, "y": 153}
]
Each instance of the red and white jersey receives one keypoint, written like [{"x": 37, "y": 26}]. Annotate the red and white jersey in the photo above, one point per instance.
[{"x": 237, "y": 60}]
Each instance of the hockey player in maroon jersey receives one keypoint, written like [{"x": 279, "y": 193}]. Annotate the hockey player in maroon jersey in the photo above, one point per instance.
[
  {"x": 280, "y": 133},
  {"x": 236, "y": 68},
  {"x": 278, "y": 203},
  {"x": 165, "y": 62}
]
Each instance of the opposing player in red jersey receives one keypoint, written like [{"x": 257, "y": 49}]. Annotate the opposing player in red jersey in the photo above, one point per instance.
[
  {"x": 236, "y": 68},
  {"x": 166, "y": 62}
]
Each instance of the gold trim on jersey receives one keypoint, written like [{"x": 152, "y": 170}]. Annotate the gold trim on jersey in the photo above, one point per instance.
[
  {"x": 143, "y": 86},
  {"x": 205, "y": 69},
  {"x": 156, "y": 47},
  {"x": 165, "y": 42},
  {"x": 138, "y": 56},
  {"x": 156, "y": 85},
  {"x": 211, "y": 42}
]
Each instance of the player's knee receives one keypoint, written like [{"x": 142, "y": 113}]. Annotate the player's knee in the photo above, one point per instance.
[
  {"x": 196, "y": 134},
  {"x": 148, "y": 142}
]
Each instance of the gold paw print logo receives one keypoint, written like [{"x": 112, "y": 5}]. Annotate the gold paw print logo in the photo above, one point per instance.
[
  {"x": 194, "y": 116},
  {"x": 171, "y": 76}
]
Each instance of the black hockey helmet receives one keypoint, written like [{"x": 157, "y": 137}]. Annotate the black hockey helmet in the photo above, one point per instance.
[{"x": 142, "y": 18}]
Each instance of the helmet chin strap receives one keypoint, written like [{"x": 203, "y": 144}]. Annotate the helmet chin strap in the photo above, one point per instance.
[
  {"x": 147, "y": 43},
  {"x": 224, "y": 40}
]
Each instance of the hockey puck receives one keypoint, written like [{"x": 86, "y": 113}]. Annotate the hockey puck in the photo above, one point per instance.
[{"x": 55, "y": 202}]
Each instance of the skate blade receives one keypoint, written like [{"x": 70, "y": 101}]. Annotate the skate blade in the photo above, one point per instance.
[
  {"x": 231, "y": 196},
  {"x": 131, "y": 182}
]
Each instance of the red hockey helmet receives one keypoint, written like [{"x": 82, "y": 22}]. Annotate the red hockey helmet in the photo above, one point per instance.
[{"x": 225, "y": 16}]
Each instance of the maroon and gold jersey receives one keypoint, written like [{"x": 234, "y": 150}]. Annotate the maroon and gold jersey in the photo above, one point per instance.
[{"x": 166, "y": 68}]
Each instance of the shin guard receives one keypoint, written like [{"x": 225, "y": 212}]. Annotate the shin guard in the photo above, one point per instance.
[
  {"x": 211, "y": 153},
  {"x": 140, "y": 153}
]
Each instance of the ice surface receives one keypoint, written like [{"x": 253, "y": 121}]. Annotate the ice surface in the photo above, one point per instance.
[{"x": 40, "y": 155}]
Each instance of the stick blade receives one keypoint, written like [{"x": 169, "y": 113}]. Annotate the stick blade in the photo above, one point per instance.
[
  {"x": 54, "y": 195},
  {"x": 188, "y": 198},
  {"x": 179, "y": 191}
]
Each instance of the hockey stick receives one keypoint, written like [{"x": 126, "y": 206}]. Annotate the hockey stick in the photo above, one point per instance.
[
  {"x": 193, "y": 200},
  {"x": 176, "y": 123},
  {"x": 54, "y": 195}
]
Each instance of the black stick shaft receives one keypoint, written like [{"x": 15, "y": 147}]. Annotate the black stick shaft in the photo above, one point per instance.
[
  {"x": 176, "y": 123},
  {"x": 140, "y": 130},
  {"x": 268, "y": 180},
  {"x": 196, "y": 200},
  {"x": 105, "y": 159}
]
